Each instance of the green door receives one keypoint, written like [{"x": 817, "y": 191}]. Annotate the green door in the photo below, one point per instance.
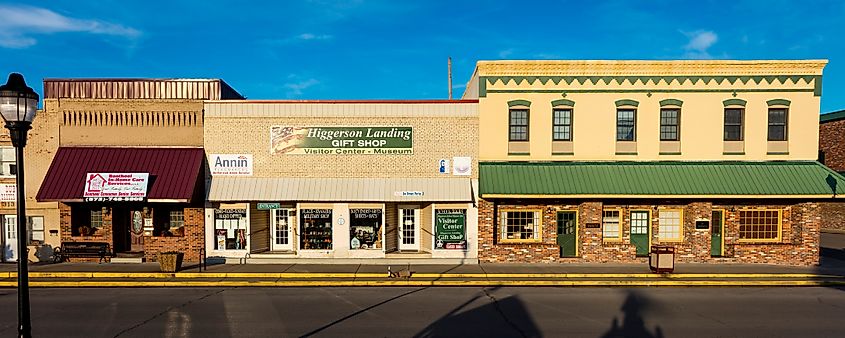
[
  {"x": 639, "y": 231},
  {"x": 567, "y": 236},
  {"x": 717, "y": 225}
]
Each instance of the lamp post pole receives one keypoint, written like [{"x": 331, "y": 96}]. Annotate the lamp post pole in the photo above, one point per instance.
[
  {"x": 18, "y": 132},
  {"x": 18, "y": 105}
]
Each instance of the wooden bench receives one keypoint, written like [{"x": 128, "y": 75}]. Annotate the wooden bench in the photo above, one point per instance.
[{"x": 83, "y": 250}]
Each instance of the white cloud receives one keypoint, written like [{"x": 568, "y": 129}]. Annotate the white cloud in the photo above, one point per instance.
[
  {"x": 20, "y": 23},
  {"x": 311, "y": 36},
  {"x": 295, "y": 88},
  {"x": 699, "y": 43},
  {"x": 505, "y": 53}
]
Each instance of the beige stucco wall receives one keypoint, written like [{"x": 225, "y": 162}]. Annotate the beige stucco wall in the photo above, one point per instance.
[
  {"x": 594, "y": 113},
  {"x": 436, "y": 135}
]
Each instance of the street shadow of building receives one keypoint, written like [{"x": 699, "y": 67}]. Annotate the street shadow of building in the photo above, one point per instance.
[
  {"x": 633, "y": 323},
  {"x": 507, "y": 317}
]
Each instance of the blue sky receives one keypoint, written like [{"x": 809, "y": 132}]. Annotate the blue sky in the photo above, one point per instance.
[{"x": 364, "y": 49}]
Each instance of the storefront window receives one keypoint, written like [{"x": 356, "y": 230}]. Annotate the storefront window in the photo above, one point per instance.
[
  {"x": 365, "y": 228},
  {"x": 169, "y": 222},
  {"x": 86, "y": 220},
  {"x": 450, "y": 231},
  {"x": 316, "y": 229},
  {"x": 229, "y": 229}
]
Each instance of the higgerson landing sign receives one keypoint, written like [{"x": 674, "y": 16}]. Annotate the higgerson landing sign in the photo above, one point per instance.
[{"x": 342, "y": 140}]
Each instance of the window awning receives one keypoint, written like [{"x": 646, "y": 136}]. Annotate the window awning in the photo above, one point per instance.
[
  {"x": 173, "y": 171},
  {"x": 245, "y": 189},
  {"x": 777, "y": 179}
]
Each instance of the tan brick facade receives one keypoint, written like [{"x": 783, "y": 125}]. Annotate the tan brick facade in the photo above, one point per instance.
[{"x": 798, "y": 246}]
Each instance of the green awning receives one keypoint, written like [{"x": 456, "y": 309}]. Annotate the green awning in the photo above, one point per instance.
[{"x": 797, "y": 179}]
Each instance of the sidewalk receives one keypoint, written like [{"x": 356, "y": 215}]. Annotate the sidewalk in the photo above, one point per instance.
[{"x": 831, "y": 272}]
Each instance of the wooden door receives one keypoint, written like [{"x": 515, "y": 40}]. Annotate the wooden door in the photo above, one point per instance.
[
  {"x": 136, "y": 231},
  {"x": 567, "y": 233},
  {"x": 640, "y": 231},
  {"x": 717, "y": 227}
]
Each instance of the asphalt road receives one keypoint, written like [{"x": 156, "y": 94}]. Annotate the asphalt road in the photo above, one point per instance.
[{"x": 432, "y": 312}]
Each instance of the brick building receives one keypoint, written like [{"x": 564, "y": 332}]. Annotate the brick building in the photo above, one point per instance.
[
  {"x": 120, "y": 161},
  {"x": 349, "y": 181},
  {"x": 596, "y": 161},
  {"x": 832, "y": 154}
]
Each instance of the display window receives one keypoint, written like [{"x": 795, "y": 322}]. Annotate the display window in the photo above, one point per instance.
[
  {"x": 365, "y": 226},
  {"x": 230, "y": 229},
  {"x": 316, "y": 229}
]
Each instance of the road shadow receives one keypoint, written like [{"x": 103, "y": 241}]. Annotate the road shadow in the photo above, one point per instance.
[
  {"x": 507, "y": 317},
  {"x": 633, "y": 323}
]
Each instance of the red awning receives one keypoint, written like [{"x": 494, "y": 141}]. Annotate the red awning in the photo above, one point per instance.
[{"x": 173, "y": 171}]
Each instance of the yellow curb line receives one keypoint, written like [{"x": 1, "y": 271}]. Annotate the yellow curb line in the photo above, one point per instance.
[
  {"x": 53, "y": 284},
  {"x": 308, "y": 275}
]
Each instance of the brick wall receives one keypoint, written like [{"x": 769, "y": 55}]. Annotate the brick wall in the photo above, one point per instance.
[
  {"x": 190, "y": 244},
  {"x": 103, "y": 234},
  {"x": 799, "y": 244},
  {"x": 833, "y": 215},
  {"x": 832, "y": 144},
  {"x": 434, "y": 138}
]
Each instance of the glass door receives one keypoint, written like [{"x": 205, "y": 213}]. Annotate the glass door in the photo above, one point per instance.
[
  {"x": 10, "y": 238},
  {"x": 409, "y": 229},
  {"x": 282, "y": 233},
  {"x": 567, "y": 233}
]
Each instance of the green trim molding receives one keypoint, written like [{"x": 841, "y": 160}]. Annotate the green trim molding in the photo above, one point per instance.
[
  {"x": 669, "y": 153},
  {"x": 655, "y": 178},
  {"x": 620, "y": 103},
  {"x": 778, "y": 102},
  {"x": 519, "y": 154},
  {"x": 734, "y": 102},
  {"x": 563, "y": 154},
  {"x": 512, "y": 103},
  {"x": 646, "y": 80},
  {"x": 671, "y": 102},
  {"x": 832, "y": 116},
  {"x": 563, "y": 102},
  {"x": 733, "y": 153}
]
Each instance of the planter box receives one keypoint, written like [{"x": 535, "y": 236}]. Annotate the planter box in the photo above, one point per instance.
[{"x": 170, "y": 261}]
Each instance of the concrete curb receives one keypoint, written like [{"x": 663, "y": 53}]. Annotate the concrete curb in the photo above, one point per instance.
[
  {"x": 309, "y": 275},
  {"x": 416, "y": 283}
]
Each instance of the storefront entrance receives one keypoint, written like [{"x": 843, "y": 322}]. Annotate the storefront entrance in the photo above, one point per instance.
[
  {"x": 567, "y": 233},
  {"x": 136, "y": 232},
  {"x": 10, "y": 238},
  {"x": 409, "y": 229},
  {"x": 640, "y": 231},
  {"x": 282, "y": 231},
  {"x": 717, "y": 222}
]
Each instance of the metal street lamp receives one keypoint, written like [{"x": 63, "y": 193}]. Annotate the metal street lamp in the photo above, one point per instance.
[{"x": 18, "y": 105}]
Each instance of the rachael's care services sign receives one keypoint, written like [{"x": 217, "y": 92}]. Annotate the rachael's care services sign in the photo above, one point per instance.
[
  {"x": 116, "y": 186},
  {"x": 341, "y": 140}
]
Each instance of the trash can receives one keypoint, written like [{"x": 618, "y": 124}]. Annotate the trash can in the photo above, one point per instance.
[{"x": 662, "y": 259}]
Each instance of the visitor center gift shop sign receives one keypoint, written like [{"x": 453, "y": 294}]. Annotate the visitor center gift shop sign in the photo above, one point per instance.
[
  {"x": 116, "y": 186},
  {"x": 341, "y": 140}
]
